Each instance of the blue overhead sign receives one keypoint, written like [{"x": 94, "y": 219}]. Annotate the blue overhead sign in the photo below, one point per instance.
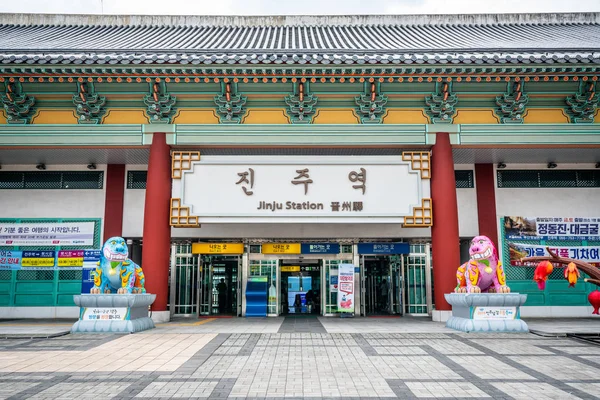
[
  {"x": 383, "y": 248},
  {"x": 320, "y": 248}
]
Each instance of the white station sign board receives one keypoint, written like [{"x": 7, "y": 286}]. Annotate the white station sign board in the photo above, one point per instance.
[{"x": 221, "y": 189}]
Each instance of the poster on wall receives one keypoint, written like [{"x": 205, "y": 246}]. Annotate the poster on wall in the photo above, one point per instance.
[
  {"x": 345, "y": 296},
  {"x": 589, "y": 254},
  {"x": 10, "y": 259},
  {"x": 551, "y": 228},
  {"x": 47, "y": 234}
]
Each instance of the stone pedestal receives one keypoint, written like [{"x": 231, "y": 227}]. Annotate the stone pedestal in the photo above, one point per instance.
[
  {"x": 116, "y": 313},
  {"x": 486, "y": 312}
]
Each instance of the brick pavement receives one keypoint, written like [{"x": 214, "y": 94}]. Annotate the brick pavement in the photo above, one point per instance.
[{"x": 284, "y": 363}]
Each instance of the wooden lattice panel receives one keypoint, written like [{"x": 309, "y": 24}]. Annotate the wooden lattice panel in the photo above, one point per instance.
[
  {"x": 419, "y": 161},
  {"x": 422, "y": 216},
  {"x": 180, "y": 216},
  {"x": 182, "y": 161}
]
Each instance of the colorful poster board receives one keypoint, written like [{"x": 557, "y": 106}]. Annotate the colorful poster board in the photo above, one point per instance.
[
  {"x": 345, "y": 296},
  {"x": 551, "y": 228},
  {"x": 589, "y": 254},
  {"x": 47, "y": 234},
  {"x": 10, "y": 259}
]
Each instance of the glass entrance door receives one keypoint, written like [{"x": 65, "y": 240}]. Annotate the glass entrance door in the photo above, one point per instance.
[
  {"x": 329, "y": 287},
  {"x": 219, "y": 283},
  {"x": 418, "y": 280},
  {"x": 205, "y": 283},
  {"x": 381, "y": 285},
  {"x": 396, "y": 283}
]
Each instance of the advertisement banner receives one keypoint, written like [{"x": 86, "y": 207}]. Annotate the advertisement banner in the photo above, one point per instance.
[
  {"x": 552, "y": 228},
  {"x": 10, "y": 259},
  {"x": 70, "y": 258},
  {"x": 47, "y": 234},
  {"x": 39, "y": 259},
  {"x": 345, "y": 297},
  {"x": 589, "y": 254}
]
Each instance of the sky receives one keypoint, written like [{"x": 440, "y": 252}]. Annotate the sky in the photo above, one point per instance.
[{"x": 294, "y": 7}]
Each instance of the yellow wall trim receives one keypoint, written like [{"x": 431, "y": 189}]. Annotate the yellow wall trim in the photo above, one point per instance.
[
  {"x": 133, "y": 116},
  {"x": 475, "y": 116},
  {"x": 597, "y": 117},
  {"x": 196, "y": 116},
  {"x": 336, "y": 116},
  {"x": 266, "y": 116},
  {"x": 545, "y": 116},
  {"x": 405, "y": 116},
  {"x": 49, "y": 116},
  {"x": 3, "y": 119}
]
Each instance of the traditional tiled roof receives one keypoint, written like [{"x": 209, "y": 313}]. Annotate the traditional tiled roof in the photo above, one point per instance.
[{"x": 483, "y": 39}]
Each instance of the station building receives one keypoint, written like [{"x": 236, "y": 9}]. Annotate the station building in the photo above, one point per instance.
[{"x": 229, "y": 148}]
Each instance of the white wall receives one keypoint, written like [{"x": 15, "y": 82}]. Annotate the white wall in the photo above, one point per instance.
[
  {"x": 468, "y": 224},
  {"x": 52, "y": 203},
  {"x": 552, "y": 202},
  {"x": 300, "y": 231},
  {"x": 133, "y": 207}
]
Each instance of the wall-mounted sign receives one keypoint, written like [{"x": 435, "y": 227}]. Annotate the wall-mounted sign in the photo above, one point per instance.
[
  {"x": 105, "y": 314},
  {"x": 554, "y": 228},
  {"x": 320, "y": 248},
  {"x": 491, "y": 313},
  {"x": 281, "y": 248},
  {"x": 383, "y": 248},
  {"x": 309, "y": 188},
  {"x": 290, "y": 268},
  {"x": 70, "y": 258},
  {"x": 10, "y": 259},
  {"x": 47, "y": 234},
  {"x": 217, "y": 248},
  {"x": 38, "y": 259}
]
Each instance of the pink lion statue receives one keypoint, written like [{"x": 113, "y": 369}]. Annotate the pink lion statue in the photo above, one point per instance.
[{"x": 483, "y": 273}]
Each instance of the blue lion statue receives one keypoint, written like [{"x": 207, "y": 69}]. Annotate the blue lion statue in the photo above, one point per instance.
[{"x": 115, "y": 272}]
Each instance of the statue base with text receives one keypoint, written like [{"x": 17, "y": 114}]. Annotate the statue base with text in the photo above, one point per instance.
[
  {"x": 486, "y": 312},
  {"x": 114, "y": 313}
]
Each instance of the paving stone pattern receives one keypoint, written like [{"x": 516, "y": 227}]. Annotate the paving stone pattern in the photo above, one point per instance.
[{"x": 301, "y": 364}]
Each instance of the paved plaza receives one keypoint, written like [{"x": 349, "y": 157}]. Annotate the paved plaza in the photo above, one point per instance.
[{"x": 298, "y": 358}]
